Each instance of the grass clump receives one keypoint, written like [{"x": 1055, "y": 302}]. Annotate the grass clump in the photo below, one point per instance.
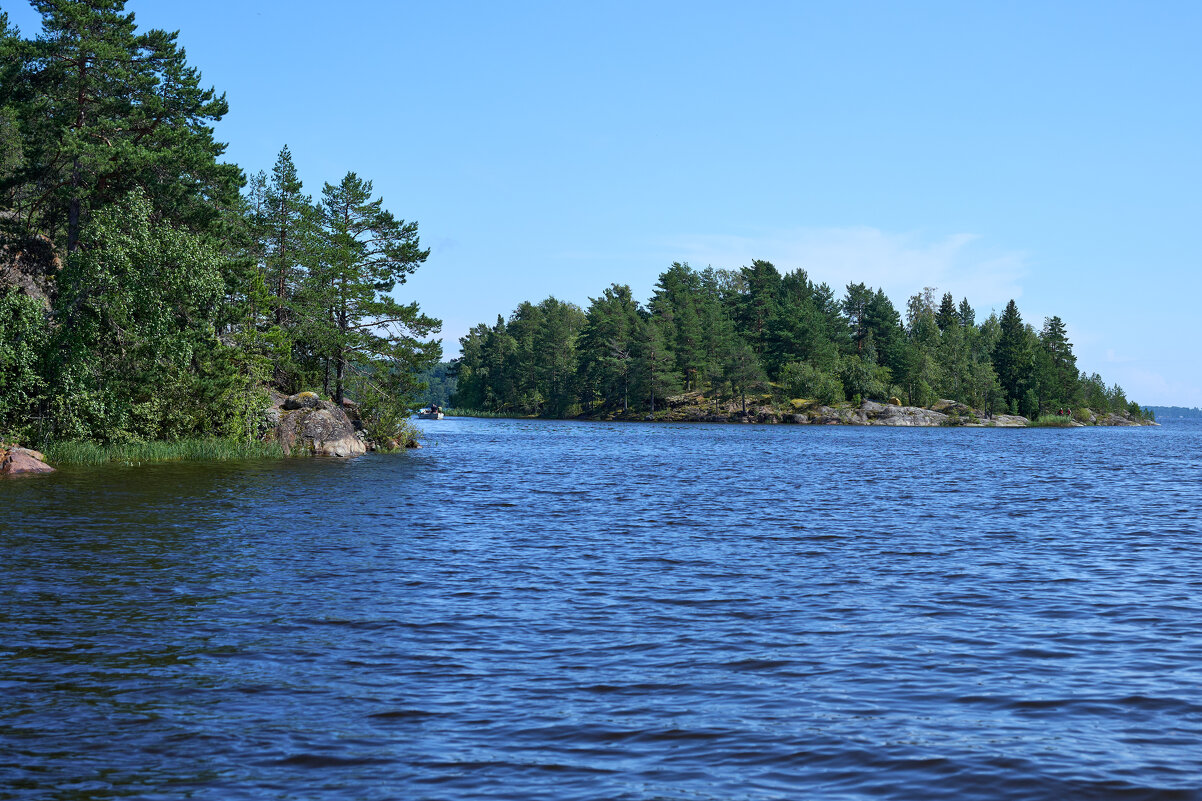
[
  {"x": 185, "y": 450},
  {"x": 477, "y": 413},
  {"x": 1052, "y": 421}
]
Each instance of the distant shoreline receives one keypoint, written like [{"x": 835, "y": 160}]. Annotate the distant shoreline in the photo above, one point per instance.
[{"x": 943, "y": 414}]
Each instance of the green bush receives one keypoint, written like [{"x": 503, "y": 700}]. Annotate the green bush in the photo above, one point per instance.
[
  {"x": 864, "y": 379},
  {"x": 803, "y": 380},
  {"x": 24, "y": 329}
]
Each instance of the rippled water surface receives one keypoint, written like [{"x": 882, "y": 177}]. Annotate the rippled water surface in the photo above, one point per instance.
[{"x": 542, "y": 610}]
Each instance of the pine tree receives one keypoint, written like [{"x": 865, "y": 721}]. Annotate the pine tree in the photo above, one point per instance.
[
  {"x": 112, "y": 109},
  {"x": 608, "y": 347},
  {"x": 676, "y": 304},
  {"x": 757, "y": 304},
  {"x": 743, "y": 371},
  {"x": 655, "y": 363},
  {"x": 366, "y": 252},
  {"x": 855, "y": 306}
]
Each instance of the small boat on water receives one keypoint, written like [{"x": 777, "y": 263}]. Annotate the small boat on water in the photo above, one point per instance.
[{"x": 429, "y": 414}]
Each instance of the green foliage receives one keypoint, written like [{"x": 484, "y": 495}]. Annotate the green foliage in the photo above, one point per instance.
[
  {"x": 1029, "y": 405},
  {"x": 104, "y": 109},
  {"x": 135, "y": 317},
  {"x": 1051, "y": 421},
  {"x": 863, "y": 379},
  {"x": 132, "y": 453},
  {"x": 24, "y": 335},
  {"x": 440, "y": 385},
  {"x": 363, "y": 253},
  {"x": 728, "y": 331},
  {"x": 1013, "y": 356},
  {"x": 803, "y": 380}
]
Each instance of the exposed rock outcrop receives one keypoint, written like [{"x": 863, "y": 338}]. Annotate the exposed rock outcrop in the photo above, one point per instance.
[
  {"x": 695, "y": 407},
  {"x": 15, "y": 461},
  {"x": 306, "y": 424}
]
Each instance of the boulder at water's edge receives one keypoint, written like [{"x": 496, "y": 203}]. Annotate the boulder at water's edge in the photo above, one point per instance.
[
  {"x": 304, "y": 423},
  {"x": 16, "y": 461}
]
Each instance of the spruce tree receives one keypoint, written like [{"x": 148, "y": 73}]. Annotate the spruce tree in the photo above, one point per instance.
[
  {"x": 287, "y": 229},
  {"x": 1012, "y": 357},
  {"x": 965, "y": 314},
  {"x": 947, "y": 316}
]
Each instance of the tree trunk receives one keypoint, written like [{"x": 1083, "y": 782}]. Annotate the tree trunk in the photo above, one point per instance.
[
  {"x": 340, "y": 374},
  {"x": 76, "y": 179},
  {"x": 343, "y": 325}
]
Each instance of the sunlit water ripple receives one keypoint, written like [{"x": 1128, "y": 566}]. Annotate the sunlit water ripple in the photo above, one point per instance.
[{"x": 542, "y": 610}]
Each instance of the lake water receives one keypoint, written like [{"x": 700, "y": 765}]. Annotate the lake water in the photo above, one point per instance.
[{"x": 553, "y": 610}]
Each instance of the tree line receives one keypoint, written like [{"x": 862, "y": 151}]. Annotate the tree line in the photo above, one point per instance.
[
  {"x": 737, "y": 332},
  {"x": 185, "y": 290}
]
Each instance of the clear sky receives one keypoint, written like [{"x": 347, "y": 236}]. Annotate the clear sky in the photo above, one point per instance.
[{"x": 1049, "y": 152}]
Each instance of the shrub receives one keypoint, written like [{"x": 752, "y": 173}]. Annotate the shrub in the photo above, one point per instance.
[
  {"x": 863, "y": 379},
  {"x": 803, "y": 380}
]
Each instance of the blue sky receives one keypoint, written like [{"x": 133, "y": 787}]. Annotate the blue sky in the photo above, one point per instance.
[{"x": 1047, "y": 152}]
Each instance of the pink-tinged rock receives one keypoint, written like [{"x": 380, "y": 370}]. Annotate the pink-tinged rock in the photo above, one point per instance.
[{"x": 20, "y": 461}]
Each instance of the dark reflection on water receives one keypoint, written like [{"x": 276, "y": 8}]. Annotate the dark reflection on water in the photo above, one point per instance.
[{"x": 539, "y": 610}]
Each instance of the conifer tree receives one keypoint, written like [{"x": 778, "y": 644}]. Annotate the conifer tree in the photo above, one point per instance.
[
  {"x": 609, "y": 346},
  {"x": 743, "y": 371},
  {"x": 287, "y": 230},
  {"x": 655, "y": 363},
  {"x": 1012, "y": 357},
  {"x": 675, "y": 303},
  {"x": 1057, "y": 378},
  {"x": 946, "y": 315},
  {"x": 112, "y": 109},
  {"x": 757, "y": 303},
  {"x": 966, "y": 315},
  {"x": 366, "y": 252},
  {"x": 555, "y": 344}
]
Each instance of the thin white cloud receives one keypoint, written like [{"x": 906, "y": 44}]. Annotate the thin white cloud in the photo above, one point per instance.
[{"x": 900, "y": 263}]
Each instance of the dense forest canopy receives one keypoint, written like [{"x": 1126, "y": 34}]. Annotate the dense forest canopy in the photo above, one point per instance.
[
  {"x": 740, "y": 331},
  {"x": 177, "y": 292}
]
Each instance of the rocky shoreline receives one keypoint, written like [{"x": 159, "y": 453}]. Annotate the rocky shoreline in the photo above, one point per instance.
[
  {"x": 304, "y": 424},
  {"x": 17, "y": 461},
  {"x": 694, "y": 408}
]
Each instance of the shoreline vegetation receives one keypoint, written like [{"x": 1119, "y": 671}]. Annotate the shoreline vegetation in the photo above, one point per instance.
[
  {"x": 136, "y": 453},
  {"x": 758, "y": 344},
  {"x": 770, "y": 409},
  {"x": 157, "y": 303}
]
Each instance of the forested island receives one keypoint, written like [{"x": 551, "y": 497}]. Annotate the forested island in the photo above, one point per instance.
[
  {"x": 151, "y": 292},
  {"x": 753, "y": 343}
]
